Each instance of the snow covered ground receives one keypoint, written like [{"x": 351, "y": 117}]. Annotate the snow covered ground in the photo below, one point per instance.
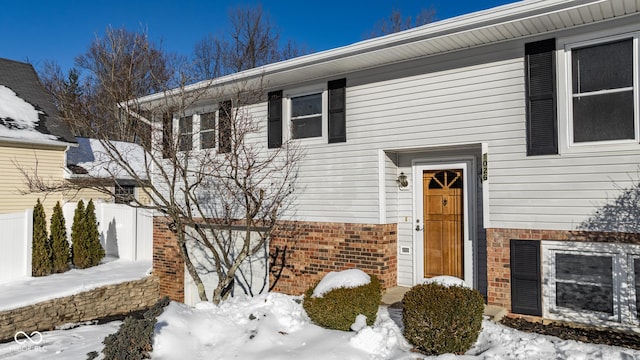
[
  {"x": 30, "y": 291},
  {"x": 275, "y": 327},
  {"x": 272, "y": 327}
]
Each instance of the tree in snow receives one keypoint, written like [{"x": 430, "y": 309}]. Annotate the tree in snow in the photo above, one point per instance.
[
  {"x": 41, "y": 247},
  {"x": 220, "y": 190},
  {"x": 79, "y": 247},
  {"x": 94, "y": 248},
  {"x": 60, "y": 249}
]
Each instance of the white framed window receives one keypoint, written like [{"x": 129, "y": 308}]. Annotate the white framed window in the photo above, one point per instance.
[
  {"x": 185, "y": 133},
  {"x": 601, "y": 90},
  {"x": 207, "y": 130},
  {"x": 124, "y": 194},
  {"x": 198, "y": 130},
  {"x": 595, "y": 282},
  {"x": 306, "y": 113}
]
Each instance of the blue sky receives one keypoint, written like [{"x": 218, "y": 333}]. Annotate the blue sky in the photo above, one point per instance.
[{"x": 61, "y": 30}]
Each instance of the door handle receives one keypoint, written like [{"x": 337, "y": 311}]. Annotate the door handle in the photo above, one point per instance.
[{"x": 418, "y": 228}]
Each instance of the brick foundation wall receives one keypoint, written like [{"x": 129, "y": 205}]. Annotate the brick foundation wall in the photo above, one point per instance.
[
  {"x": 168, "y": 265},
  {"x": 303, "y": 252},
  {"x": 105, "y": 301}
]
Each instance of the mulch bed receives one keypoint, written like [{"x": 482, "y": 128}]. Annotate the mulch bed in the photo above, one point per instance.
[{"x": 584, "y": 334}]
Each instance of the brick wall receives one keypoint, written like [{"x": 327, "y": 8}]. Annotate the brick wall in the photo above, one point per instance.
[
  {"x": 168, "y": 265},
  {"x": 105, "y": 301},
  {"x": 303, "y": 252}
]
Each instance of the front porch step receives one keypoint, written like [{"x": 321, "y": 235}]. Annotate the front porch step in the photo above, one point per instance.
[{"x": 395, "y": 294}]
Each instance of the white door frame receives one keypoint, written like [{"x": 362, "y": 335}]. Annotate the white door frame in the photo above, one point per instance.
[{"x": 418, "y": 261}]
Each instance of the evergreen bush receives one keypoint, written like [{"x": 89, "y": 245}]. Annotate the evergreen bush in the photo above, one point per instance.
[
  {"x": 133, "y": 341},
  {"x": 60, "y": 249},
  {"x": 40, "y": 245},
  {"x": 440, "y": 319},
  {"x": 338, "y": 308},
  {"x": 79, "y": 247},
  {"x": 95, "y": 250}
]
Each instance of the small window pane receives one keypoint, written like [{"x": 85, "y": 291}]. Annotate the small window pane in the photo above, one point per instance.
[
  {"x": 306, "y": 105},
  {"x": 306, "y": 127},
  {"x": 603, "y": 117},
  {"x": 584, "y": 282},
  {"x": 124, "y": 194},
  {"x": 585, "y": 297},
  {"x": 584, "y": 268},
  {"x": 602, "y": 67},
  {"x": 207, "y": 132},
  {"x": 185, "y": 126}
]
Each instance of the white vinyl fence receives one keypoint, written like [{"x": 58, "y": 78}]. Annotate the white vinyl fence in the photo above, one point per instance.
[
  {"x": 125, "y": 232},
  {"x": 16, "y": 232}
]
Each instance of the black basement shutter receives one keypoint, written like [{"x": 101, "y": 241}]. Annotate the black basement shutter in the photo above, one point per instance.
[
  {"x": 224, "y": 126},
  {"x": 542, "y": 126},
  {"x": 525, "y": 277},
  {"x": 274, "y": 120},
  {"x": 337, "y": 114}
]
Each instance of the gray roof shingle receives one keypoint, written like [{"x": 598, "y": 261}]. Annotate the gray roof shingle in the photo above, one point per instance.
[{"x": 23, "y": 80}]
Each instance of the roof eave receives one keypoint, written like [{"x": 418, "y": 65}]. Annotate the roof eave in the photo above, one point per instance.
[{"x": 487, "y": 20}]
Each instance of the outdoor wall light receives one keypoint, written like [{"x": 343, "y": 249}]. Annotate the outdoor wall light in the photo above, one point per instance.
[{"x": 402, "y": 180}]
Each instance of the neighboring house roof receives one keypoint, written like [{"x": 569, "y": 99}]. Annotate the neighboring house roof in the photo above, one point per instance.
[
  {"x": 27, "y": 112},
  {"x": 518, "y": 20},
  {"x": 90, "y": 159}
]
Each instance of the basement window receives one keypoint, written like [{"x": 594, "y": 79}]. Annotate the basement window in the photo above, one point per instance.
[{"x": 592, "y": 282}]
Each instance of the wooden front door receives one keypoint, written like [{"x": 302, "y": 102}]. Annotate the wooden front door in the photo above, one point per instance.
[{"x": 443, "y": 222}]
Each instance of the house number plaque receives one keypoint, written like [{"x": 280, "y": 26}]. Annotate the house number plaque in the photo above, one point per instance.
[{"x": 485, "y": 171}]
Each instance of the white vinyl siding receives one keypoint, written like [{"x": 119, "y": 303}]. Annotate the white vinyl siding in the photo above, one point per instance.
[{"x": 474, "y": 96}]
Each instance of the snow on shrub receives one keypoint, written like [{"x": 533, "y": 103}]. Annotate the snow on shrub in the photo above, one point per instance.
[
  {"x": 341, "y": 279},
  {"x": 337, "y": 300}
]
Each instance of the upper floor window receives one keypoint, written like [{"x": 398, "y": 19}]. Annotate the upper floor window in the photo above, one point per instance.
[
  {"x": 315, "y": 112},
  {"x": 207, "y": 130},
  {"x": 306, "y": 116},
  {"x": 602, "y": 89},
  {"x": 185, "y": 128}
]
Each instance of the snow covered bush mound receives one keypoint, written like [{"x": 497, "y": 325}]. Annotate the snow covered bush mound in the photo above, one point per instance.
[
  {"x": 340, "y": 297},
  {"x": 269, "y": 326},
  {"x": 441, "y": 319}
]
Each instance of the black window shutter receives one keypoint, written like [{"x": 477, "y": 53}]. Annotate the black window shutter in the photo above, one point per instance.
[
  {"x": 337, "y": 113},
  {"x": 224, "y": 126},
  {"x": 274, "y": 120},
  {"x": 526, "y": 297},
  {"x": 542, "y": 125},
  {"x": 167, "y": 134}
]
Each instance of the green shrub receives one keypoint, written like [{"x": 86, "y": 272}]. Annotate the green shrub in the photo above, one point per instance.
[
  {"x": 60, "y": 249},
  {"x": 40, "y": 245},
  {"x": 133, "y": 340},
  {"x": 338, "y": 308},
  {"x": 439, "y": 319},
  {"x": 95, "y": 250},
  {"x": 79, "y": 247}
]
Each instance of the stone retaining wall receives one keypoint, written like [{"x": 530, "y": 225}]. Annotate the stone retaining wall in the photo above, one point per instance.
[{"x": 105, "y": 301}]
